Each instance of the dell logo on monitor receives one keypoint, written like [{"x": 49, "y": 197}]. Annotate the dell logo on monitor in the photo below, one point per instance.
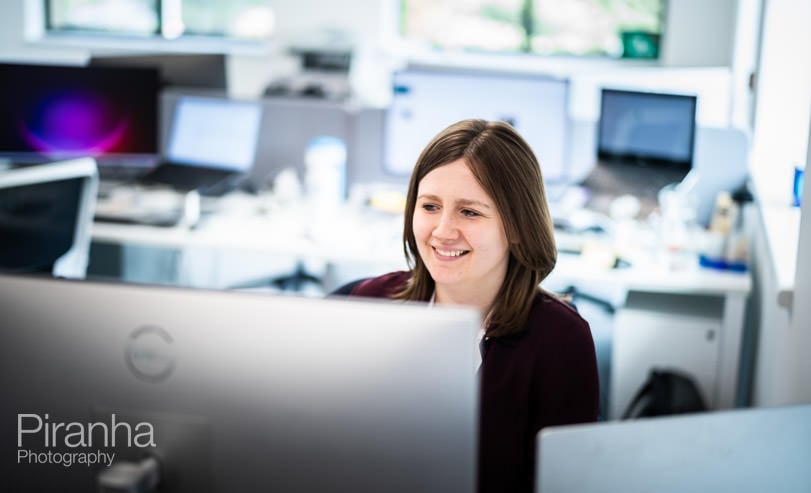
[{"x": 150, "y": 353}]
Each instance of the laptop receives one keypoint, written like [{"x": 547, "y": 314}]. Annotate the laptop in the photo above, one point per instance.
[
  {"x": 211, "y": 143},
  {"x": 645, "y": 141},
  {"x": 737, "y": 451}
]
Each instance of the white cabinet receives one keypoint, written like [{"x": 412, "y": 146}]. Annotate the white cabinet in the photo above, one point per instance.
[{"x": 665, "y": 331}]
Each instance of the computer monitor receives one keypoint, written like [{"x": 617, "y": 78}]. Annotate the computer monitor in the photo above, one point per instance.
[
  {"x": 50, "y": 112},
  {"x": 46, "y": 213},
  {"x": 736, "y": 451},
  {"x": 237, "y": 391},
  {"x": 214, "y": 133},
  {"x": 425, "y": 101},
  {"x": 211, "y": 145},
  {"x": 646, "y": 128}
]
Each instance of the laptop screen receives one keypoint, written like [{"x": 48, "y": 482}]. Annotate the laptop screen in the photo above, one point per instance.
[
  {"x": 646, "y": 128},
  {"x": 214, "y": 133}
]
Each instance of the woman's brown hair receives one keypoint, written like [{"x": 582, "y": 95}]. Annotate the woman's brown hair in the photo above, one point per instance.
[{"x": 508, "y": 171}]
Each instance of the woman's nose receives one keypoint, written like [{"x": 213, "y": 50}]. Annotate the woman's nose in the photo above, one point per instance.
[{"x": 446, "y": 227}]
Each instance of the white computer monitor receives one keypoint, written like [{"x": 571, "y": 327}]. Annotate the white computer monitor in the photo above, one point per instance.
[
  {"x": 738, "y": 451},
  {"x": 426, "y": 100},
  {"x": 244, "y": 391},
  {"x": 46, "y": 215}
]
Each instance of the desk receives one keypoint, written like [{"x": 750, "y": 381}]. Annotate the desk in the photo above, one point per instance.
[
  {"x": 256, "y": 228},
  {"x": 732, "y": 289},
  {"x": 373, "y": 238}
]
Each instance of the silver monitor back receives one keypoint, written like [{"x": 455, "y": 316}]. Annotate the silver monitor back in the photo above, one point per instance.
[
  {"x": 739, "y": 451},
  {"x": 244, "y": 391}
]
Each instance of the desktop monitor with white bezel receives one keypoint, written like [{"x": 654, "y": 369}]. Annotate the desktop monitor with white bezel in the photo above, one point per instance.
[
  {"x": 427, "y": 100},
  {"x": 233, "y": 391}
]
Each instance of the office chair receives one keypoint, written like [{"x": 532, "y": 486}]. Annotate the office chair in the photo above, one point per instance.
[
  {"x": 297, "y": 280},
  {"x": 46, "y": 215},
  {"x": 346, "y": 289}
]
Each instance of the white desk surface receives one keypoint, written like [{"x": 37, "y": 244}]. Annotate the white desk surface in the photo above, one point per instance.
[
  {"x": 344, "y": 234},
  {"x": 347, "y": 234},
  {"x": 655, "y": 279}
]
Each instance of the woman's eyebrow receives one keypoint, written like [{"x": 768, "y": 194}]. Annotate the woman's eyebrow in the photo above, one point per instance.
[
  {"x": 467, "y": 202},
  {"x": 460, "y": 202}
]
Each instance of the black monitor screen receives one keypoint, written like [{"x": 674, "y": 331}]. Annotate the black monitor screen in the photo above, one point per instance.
[
  {"x": 62, "y": 112},
  {"x": 646, "y": 127},
  {"x": 38, "y": 224}
]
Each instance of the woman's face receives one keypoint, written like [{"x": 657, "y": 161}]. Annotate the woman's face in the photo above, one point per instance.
[{"x": 458, "y": 230}]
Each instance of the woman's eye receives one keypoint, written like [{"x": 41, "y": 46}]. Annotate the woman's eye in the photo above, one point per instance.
[
  {"x": 470, "y": 213},
  {"x": 430, "y": 207}
]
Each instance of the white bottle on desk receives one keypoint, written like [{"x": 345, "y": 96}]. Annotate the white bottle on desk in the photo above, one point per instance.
[{"x": 325, "y": 172}]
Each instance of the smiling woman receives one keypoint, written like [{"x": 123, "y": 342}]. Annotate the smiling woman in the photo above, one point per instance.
[
  {"x": 478, "y": 232},
  {"x": 460, "y": 236}
]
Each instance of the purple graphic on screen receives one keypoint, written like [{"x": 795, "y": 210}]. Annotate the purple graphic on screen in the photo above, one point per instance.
[{"x": 75, "y": 124}]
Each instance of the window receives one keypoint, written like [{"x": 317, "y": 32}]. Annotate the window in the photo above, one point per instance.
[
  {"x": 235, "y": 19},
  {"x": 614, "y": 28}
]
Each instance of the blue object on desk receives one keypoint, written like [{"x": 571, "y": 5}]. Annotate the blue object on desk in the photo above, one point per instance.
[
  {"x": 799, "y": 173},
  {"x": 722, "y": 264}
]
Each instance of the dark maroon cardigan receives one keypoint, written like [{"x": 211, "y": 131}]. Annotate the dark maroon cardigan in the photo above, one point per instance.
[{"x": 545, "y": 375}]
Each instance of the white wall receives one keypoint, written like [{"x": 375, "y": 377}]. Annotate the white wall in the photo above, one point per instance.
[
  {"x": 781, "y": 140},
  {"x": 783, "y": 367},
  {"x": 700, "y": 33},
  {"x": 799, "y": 362}
]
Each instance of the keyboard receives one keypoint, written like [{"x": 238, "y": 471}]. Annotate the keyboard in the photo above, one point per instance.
[
  {"x": 608, "y": 181},
  {"x": 129, "y": 205}
]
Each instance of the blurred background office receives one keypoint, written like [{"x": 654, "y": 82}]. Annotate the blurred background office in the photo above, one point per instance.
[{"x": 329, "y": 95}]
